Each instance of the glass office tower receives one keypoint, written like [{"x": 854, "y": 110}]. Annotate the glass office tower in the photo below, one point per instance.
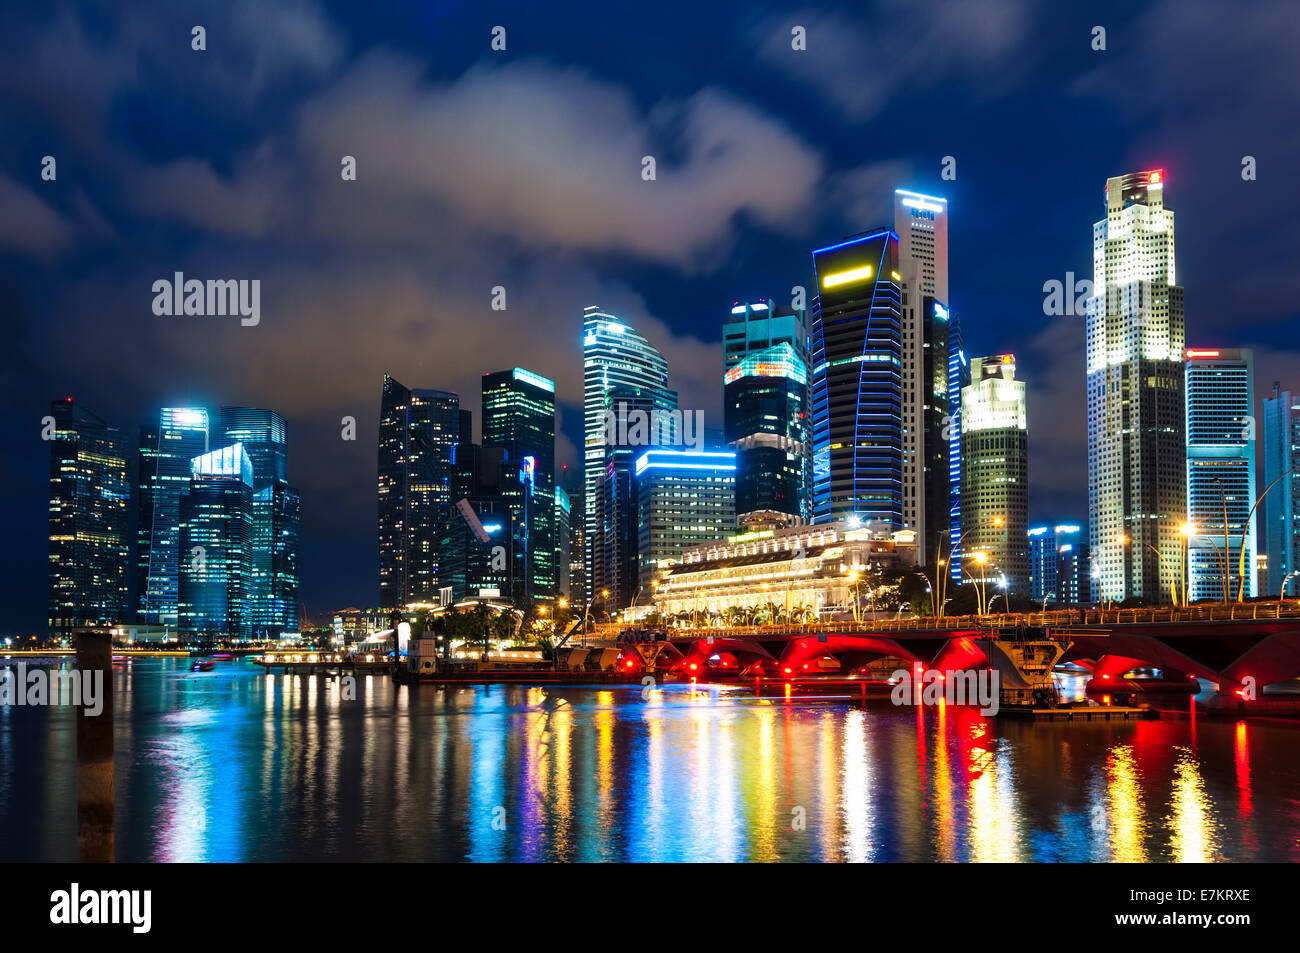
[
  {"x": 89, "y": 493},
  {"x": 765, "y": 413},
  {"x": 417, "y": 430},
  {"x": 1281, "y": 436},
  {"x": 684, "y": 497},
  {"x": 166, "y": 453},
  {"x": 622, "y": 372},
  {"x": 857, "y": 393},
  {"x": 519, "y": 418},
  {"x": 1220, "y": 473},
  {"x": 216, "y": 532},
  {"x": 265, "y": 439}
]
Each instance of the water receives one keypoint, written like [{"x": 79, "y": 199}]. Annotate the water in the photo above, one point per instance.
[{"x": 238, "y": 766}]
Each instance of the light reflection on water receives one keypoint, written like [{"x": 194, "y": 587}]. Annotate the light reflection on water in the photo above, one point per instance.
[{"x": 235, "y": 765}]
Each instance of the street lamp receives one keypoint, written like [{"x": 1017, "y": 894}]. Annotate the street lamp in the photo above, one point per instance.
[{"x": 1245, "y": 530}]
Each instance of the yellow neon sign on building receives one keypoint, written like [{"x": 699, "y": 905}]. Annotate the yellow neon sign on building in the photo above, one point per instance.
[{"x": 844, "y": 277}]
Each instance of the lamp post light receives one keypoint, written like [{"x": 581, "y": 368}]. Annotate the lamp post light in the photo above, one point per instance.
[{"x": 1245, "y": 529}]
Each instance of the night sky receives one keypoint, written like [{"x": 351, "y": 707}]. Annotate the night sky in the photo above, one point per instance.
[{"x": 522, "y": 169}]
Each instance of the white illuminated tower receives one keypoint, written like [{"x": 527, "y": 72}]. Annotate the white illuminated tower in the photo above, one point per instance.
[
  {"x": 1137, "y": 493},
  {"x": 921, "y": 222}
]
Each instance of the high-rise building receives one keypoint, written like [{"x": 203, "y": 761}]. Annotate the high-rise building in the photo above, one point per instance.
[
  {"x": 1056, "y": 554},
  {"x": 958, "y": 378},
  {"x": 684, "y": 497},
  {"x": 216, "y": 533},
  {"x": 766, "y": 417},
  {"x": 273, "y": 585},
  {"x": 921, "y": 222},
  {"x": 1137, "y": 477},
  {"x": 563, "y": 514},
  {"x": 272, "y": 597},
  {"x": 166, "y": 453},
  {"x": 995, "y": 473},
  {"x": 417, "y": 430},
  {"x": 1281, "y": 436},
  {"x": 857, "y": 386},
  {"x": 1220, "y": 473},
  {"x": 89, "y": 494},
  {"x": 265, "y": 439},
  {"x": 622, "y": 372},
  {"x": 519, "y": 417}
]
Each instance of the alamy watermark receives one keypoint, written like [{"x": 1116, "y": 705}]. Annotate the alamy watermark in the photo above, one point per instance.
[
  {"x": 654, "y": 428},
  {"x": 182, "y": 296},
  {"x": 932, "y": 687},
  {"x": 43, "y": 686}
]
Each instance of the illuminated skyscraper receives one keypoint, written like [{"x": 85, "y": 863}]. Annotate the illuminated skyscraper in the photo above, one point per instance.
[
  {"x": 89, "y": 494},
  {"x": 921, "y": 222},
  {"x": 622, "y": 372},
  {"x": 995, "y": 474},
  {"x": 958, "y": 378},
  {"x": 166, "y": 453},
  {"x": 216, "y": 532},
  {"x": 1056, "y": 558},
  {"x": 684, "y": 497},
  {"x": 766, "y": 417},
  {"x": 519, "y": 417},
  {"x": 417, "y": 430},
  {"x": 1220, "y": 472},
  {"x": 1137, "y": 476},
  {"x": 265, "y": 439},
  {"x": 857, "y": 386},
  {"x": 1281, "y": 436}
]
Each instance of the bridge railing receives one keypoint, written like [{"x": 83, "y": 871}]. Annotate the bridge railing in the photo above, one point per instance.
[{"x": 1062, "y": 618}]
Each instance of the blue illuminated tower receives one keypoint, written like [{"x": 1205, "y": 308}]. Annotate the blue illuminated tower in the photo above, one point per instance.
[
  {"x": 216, "y": 532},
  {"x": 857, "y": 392},
  {"x": 1220, "y": 471},
  {"x": 684, "y": 497},
  {"x": 1281, "y": 436},
  {"x": 165, "y": 456}
]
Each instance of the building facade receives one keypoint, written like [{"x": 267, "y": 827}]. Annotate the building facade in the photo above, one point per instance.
[
  {"x": 622, "y": 373},
  {"x": 417, "y": 430},
  {"x": 166, "y": 455},
  {"x": 1137, "y": 491},
  {"x": 684, "y": 497},
  {"x": 995, "y": 474},
  {"x": 1057, "y": 556},
  {"x": 921, "y": 222},
  {"x": 216, "y": 531},
  {"x": 1220, "y": 473},
  {"x": 1281, "y": 436},
  {"x": 766, "y": 422},
  {"x": 857, "y": 386},
  {"x": 89, "y": 495},
  {"x": 519, "y": 417}
]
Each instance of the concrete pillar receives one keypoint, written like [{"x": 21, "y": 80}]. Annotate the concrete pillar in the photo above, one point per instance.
[{"x": 95, "y": 796}]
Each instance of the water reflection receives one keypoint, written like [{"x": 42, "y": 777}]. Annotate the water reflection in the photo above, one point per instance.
[{"x": 236, "y": 765}]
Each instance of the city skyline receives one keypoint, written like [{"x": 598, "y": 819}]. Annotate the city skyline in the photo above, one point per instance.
[{"x": 312, "y": 357}]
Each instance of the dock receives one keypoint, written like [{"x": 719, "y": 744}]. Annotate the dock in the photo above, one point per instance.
[{"x": 1081, "y": 713}]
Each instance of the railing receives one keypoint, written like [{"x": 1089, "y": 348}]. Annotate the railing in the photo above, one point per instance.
[{"x": 1058, "y": 619}]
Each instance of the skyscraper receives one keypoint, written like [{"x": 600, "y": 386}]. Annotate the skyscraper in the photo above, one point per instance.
[
  {"x": 620, "y": 368},
  {"x": 1055, "y": 557},
  {"x": 89, "y": 494},
  {"x": 765, "y": 412},
  {"x": 1281, "y": 436},
  {"x": 272, "y": 592},
  {"x": 958, "y": 378},
  {"x": 1220, "y": 472},
  {"x": 216, "y": 532},
  {"x": 165, "y": 470},
  {"x": 417, "y": 430},
  {"x": 519, "y": 417},
  {"x": 1137, "y": 490},
  {"x": 995, "y": 473},
  {"x": 265, "y": 439},
  {"x": 684, "y": 497},
  {"x": 857, "y": 387}
]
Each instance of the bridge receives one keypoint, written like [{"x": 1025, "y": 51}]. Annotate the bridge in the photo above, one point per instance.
[{"x": 1241, "y": 647}]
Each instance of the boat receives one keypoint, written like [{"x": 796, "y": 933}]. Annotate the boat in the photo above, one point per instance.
[{"x": 202, "y": 665}]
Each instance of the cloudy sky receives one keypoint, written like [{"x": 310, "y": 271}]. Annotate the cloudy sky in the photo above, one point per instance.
[{"x": 521, "y": 168}]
